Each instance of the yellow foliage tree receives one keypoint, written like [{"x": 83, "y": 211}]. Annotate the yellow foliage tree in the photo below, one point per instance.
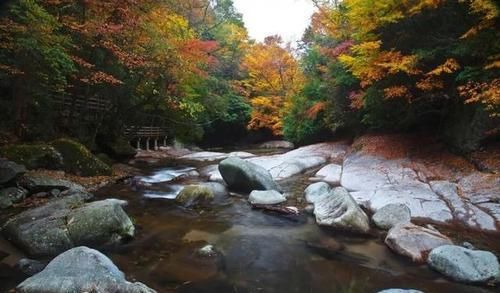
[{"x": 273, "y": 78}]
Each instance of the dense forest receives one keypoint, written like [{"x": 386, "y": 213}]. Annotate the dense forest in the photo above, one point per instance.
[
  {"x": 171, "y": 146},
  {"x": 90, "y": 69}
]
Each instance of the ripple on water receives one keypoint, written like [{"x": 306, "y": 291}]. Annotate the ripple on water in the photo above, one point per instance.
[{"x": 167, "y": 174}]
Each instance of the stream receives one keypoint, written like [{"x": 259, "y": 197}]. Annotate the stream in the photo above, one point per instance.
[{"x": 256, "y": 251}]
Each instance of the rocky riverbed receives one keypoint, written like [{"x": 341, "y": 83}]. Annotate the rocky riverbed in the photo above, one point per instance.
[{"x": 337, "y": 217}]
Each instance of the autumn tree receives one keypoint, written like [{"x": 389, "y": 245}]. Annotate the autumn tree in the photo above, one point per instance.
[
  {"x": 274, "y": 76},
  {"x": 429, "y": 62}
]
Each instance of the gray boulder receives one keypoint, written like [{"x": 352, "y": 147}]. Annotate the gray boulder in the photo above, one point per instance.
[
  {"x": 30, "y": 267},
  {"x": 316, "y": 191},
  {"x": 266, "y": 197},
  {"x": 464, "y": 265},
  {"x": 9, "y": 170},
  {"x": 390, "y": 215},
  {"x": 414, "y": 241},
  {"x": 11, "y": 195},
  {"x": 246, "y": 176},
  {"x": 45, "y": 184},
  {"x": 81, "y": 269},
  {"x": 340, "y": 210},
  {"x": 68, "y": 222}
]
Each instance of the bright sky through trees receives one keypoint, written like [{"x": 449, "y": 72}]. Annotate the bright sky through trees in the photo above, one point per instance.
[{"x": 288, "y": 18}]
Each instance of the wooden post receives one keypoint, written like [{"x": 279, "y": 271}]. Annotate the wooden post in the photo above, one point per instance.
[
  {"x": 165, "y": 141},
  {"x": 147, "y": 144},
  {"x": 156, "y": 144},
  {"x": 139, "y": 144}
]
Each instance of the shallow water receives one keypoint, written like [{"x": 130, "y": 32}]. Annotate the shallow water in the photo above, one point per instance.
[{"x": 257, "y": 251}]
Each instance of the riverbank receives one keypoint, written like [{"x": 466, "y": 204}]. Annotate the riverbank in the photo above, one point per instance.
[{"x": 253, "y": 246}]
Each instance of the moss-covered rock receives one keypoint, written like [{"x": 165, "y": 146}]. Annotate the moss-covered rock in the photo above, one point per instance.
[
  {"x": 119, "y": 149},
  {"x": 77, "y": 159},
  {"x": 33, "y": 156},
  {"x": 193, "y": 195}
]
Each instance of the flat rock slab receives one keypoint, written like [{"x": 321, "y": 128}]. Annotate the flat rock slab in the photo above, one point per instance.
[
  {"x": 330, "y": 173},
  {"x": 390, "y": 215},
  {"x": 464, "y": 265},
  {"x": 375, "y": 182},
  {"x": 463, "y": 210},
  {"x": 68, "y": 222},
  {"x": 37, "y": 183},
  {"x": 299, "y": 160},
  {"x": 81, "y": 269},
  {"x": 414, "y": 241},
  {"x": 215, "y": 156},
  {"x": 294, "y": 162}
]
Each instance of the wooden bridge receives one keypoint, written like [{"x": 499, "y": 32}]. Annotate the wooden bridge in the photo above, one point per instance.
[
  {"x": 150, "y": 135},
  {"x": 88, "y": 108}
]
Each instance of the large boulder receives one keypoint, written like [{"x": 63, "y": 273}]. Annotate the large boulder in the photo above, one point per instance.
[
  {"x": 11, "y": 195},
  {"x": 10, "y": 170},
  {"x": 33, "y": 156},
  {"x": 79, "y": 160},
  {"x": 194, "y": 195},
  {"x": 340, "y": 210},
  {"x": 414, "y": 241},
  {"x": 80, "y": 269},
  {"x": 464, "y": 265},
  {"x": 316, "y": 191},
  {"x": 245, "y": 176},
  {"x": 38, "y": 183},
  {"x": 390, "y": 215},
  {"x": 266, "y": 197},
  {"x": 68, "y": 222}
]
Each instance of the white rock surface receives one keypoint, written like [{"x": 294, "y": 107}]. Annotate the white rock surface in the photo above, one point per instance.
[
  {"x": 340, "y": 210},
  {"x": 464, "y": 265},
  {"x": 390, "y": 215},
  {"x": 215, "y": 156},
  {"x": 266, "y": 197},
  {"x": 299, "y": 160},
  {"x": 463, "y": 210},
  {"x": 330, "y": 173},
  {"x": 316, "y": 191},
  {"x": 375, "y": 182},
  {"x": 414, "y": 241}
]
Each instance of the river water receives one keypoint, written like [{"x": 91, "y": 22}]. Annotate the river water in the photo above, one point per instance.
[{"x": 256, "y": 251}]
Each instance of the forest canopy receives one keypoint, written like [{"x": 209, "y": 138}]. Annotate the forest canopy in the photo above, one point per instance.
[{"x": 90, "y": 69}]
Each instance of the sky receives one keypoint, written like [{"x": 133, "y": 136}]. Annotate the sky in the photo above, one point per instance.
[{"x": 288, "y": 18}]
